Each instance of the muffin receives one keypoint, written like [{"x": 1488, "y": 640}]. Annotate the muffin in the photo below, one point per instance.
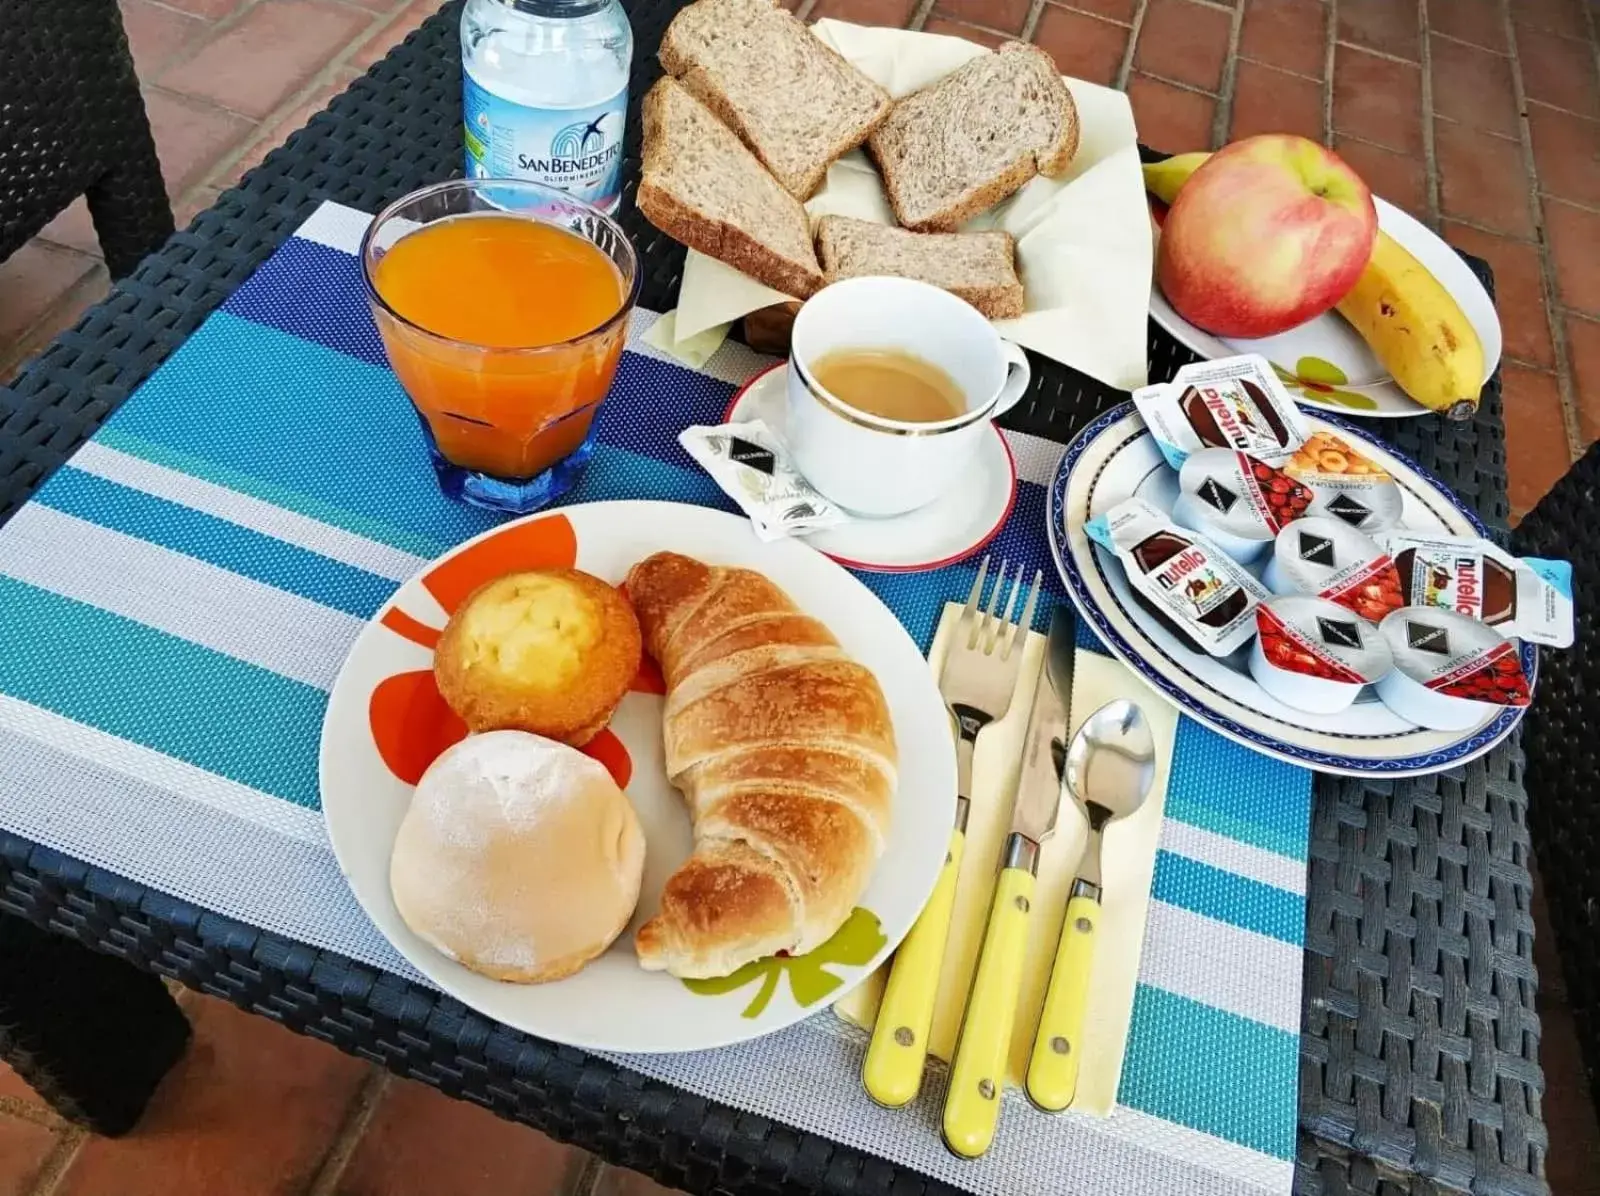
[{"x": 550, "y": 652}]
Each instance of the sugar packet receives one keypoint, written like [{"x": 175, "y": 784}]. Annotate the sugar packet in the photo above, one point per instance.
[{"x": 752, "y": 466}]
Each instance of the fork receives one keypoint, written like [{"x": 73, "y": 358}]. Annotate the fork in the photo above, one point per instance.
[{"x": 977, "y": 680}]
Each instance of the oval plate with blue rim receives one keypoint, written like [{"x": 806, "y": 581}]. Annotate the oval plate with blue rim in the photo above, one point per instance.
[{"x": 1116, "y": 458}]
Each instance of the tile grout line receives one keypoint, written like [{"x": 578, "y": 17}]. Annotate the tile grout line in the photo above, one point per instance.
[
  {"x": 1461, "y": 41},
  {"x": 1384, "y": 54},
  {"x": 1030, "y": 26},
  {"x": 1222, "y": 118},
  {"x": 920, "y": 14},
  {"x": 362, "y": 1109},
  {"x": 1125, "y": 69},
  {"x": 56, "y": 1164},
  {"x": 1430, "y": 157},
  {"x": 1331, "y": 40},
  {"x": 1547, "y": 275},
  {"x": 584, "y": 1180}
]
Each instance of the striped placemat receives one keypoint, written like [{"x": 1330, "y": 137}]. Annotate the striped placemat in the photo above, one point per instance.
[{"x": 176, "y": 601}]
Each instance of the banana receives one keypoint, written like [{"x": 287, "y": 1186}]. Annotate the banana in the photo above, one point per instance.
[
  {"x": 1165, "y": 179},
  {"x": 1412, "y": 324},
  {"x": 1417, "y": 330}
]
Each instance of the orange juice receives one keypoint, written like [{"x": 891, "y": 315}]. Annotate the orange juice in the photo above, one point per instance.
[{"x": 508, "y": 381}]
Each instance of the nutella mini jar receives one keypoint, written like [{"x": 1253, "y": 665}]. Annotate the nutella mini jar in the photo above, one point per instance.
[
  {"x": 1315, "y": 655},
  {"x": 1193, "y": 588},
  {"x": 1330, "y": 559},
  {"x": 1450, "y": 671},
  {"x": 1237, "y": 501},
  {"x": 1235, "y": 403},
  {"x": 1346, "y": 485},
  {"x": 1524, "y": 599}
]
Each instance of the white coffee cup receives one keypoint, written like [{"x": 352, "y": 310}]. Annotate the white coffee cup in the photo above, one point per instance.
[{"x": 874, "y": 466}]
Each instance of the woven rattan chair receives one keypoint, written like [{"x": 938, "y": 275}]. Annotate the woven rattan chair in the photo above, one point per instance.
[
  {"x": 72, "y": 123},
  {"x": 1562, "y": 741}
]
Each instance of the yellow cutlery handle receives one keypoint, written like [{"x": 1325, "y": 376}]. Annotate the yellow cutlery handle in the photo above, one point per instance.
[
  {"x": 1058, "y": 1044},
  {"x": 892, "y": 1070},
  {"x": 978, "y": 1074}
]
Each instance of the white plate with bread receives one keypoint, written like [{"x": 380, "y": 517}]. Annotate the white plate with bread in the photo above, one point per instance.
[{"x": 566, "y": 890}]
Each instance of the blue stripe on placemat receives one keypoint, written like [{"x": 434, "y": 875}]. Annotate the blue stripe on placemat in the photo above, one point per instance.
[
  {"x": 1206, "y": 1068},
  {"x": 161, "y": 691},
  {"x": 1229, "y": 897},
  {"x": 1206, "y": 791},
  {"x": 216, "y": 541},
  {"x": 313, "y": 293}
]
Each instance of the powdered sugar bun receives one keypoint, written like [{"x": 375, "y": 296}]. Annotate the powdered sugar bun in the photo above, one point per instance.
[{"x": 519, "y": 857}]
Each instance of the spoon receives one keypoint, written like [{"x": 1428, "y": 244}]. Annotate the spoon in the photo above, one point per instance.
[{"x": 1110, "y": 766}]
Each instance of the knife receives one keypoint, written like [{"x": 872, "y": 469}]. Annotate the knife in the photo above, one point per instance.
[{"x": 978, "y": 1072}]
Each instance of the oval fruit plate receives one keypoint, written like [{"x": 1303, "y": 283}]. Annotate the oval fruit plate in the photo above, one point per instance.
[
  {"x": 1116, "y": 458},
  {"x": 1323, "y": 362},
  {"x": 386, "y": 723}
]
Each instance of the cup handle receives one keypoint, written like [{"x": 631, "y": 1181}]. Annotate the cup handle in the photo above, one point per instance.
[{"x": 1018, "y": 374}]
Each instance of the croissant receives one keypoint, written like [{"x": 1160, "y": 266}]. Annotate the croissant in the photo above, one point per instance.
[{"x": 784, "y": 751}]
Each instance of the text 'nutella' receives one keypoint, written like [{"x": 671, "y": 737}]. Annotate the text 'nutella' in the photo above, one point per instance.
[
  {"x": 1524, "y": 599},
  {"x": 1234, "y": 403}
]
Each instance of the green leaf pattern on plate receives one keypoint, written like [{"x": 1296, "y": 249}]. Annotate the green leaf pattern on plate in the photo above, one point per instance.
[
  {"x": 852, "y": 945},
  {"x": 1319, "y": 381}
]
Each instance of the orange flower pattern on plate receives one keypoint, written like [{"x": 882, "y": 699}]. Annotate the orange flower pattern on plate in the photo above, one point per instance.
[{"x": 411, "y": 725}]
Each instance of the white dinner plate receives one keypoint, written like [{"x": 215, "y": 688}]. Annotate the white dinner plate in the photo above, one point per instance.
[
  {"x": 1116, "y": 458},
  {"x": 385, "y": 694},
  {"x": 1324, "y": 362},
  {"x": 950, "y": 528}
]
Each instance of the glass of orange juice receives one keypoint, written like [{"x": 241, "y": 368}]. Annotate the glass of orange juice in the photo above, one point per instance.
[{"x": 503, "y": 306}]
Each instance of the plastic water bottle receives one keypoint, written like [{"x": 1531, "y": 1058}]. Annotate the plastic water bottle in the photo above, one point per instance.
[{"x": 546, "y": 93}]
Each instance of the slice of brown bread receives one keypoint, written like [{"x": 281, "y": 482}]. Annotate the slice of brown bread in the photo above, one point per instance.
[
  {"x": 978, "y": 267},
  {"x": 961, "y": 145},
  {"x": 794, "y": 101},
  {"x": 701, "y": 186}
]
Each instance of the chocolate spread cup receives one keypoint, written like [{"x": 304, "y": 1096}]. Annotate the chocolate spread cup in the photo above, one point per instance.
[
  {"x": 1315, "y": 655},
  {"x": 1191, "y": 586},
  {"x": 1450, "y": 671},
  {"x": 1330, "y": 559},
  {"x": 1238, "y": 502},
  {"x": 1522, "y": 599},
  {"x": 1235, "y": 403}
]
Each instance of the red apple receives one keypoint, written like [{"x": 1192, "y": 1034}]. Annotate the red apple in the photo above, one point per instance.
[{"x": 1268, "y": 233}]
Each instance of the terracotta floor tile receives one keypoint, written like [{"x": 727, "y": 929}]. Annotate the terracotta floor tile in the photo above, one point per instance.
[
  {"x": 1558, "y": 71},
  {"x": 984, "y": 37},
  {"x": 1476, "y": 21},
  {"x": 268, "y": 55},
  {"x": 157, "y": 33},
  {"x": 74, "y": 229},
  {"x": 1084, "y": 47},
  {"x": 32, "y": 281},
  {"x": 1583, "y": 351},
  {"x": 24, "y": 1146},
  {"x": 1566, "y": 153},
  {"x": 1573, "y": 1164},
  {"x": 1007, "y": 15},
  {"x": 1377, "y": 100},
  {"x": 250, "y": 1110},
  {"x": 866, "y": 12},
  {"x": 617, "y": 1181},
  {"x": 63, "y": 314},
  {"x": 1575, "y": 243},
  {"x": 423, "y": 1143},
  {"x": 1556, "y": 16},
  {"x": 1170, "y": 118},
  {"x": 1269, "y": 101},
  {"x": 1536, "y": 435},
  {"x": 1389, "y": 26},
  {"x": 212, "y": 10},
  {"x": 1288, "y": 34},
  {"x": 1185, "y": 42},
  {"x": 1473, "y": 86},
  {"x": 392, "y": 34},
  {"x": 13, "y": 1086},
  {"x": 1482, "y": 179},
  {"x": 1519, "y": 291},
  {"x": 1111, "y": 10},
  {"x": 1399, "y": 178},
  {"x": 190, "y": 136}
]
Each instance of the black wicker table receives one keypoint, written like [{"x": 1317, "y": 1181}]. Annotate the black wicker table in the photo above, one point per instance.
[{"x": 1419, "y": 1053}]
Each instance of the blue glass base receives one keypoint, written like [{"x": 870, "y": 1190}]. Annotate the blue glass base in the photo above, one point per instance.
[{"x": 514, "y": 497}]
